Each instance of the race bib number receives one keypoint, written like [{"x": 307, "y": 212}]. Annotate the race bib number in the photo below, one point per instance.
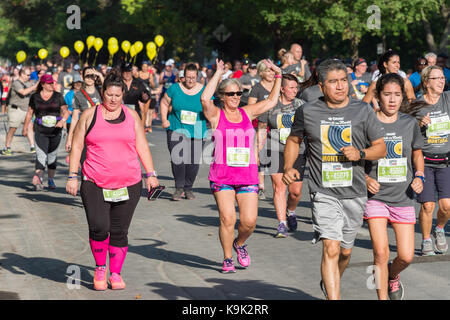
[
  {"x": 188, "y": 117},
  {"x": 238, "y": 157},
  {"x": 439, "y": 126},
  {"x": 392, "y": 170},
  {"x": 284, "y": 134},
  {"x": 337, "y": 175},
  {"x": 116, "y": 195},
  {"x": 49, "y": 121}
]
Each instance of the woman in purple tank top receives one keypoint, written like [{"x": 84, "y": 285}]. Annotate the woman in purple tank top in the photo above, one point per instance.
[{"x": 234, "y": 172}]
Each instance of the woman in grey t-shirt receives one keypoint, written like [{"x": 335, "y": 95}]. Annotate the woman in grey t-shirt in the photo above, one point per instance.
[{"x": 391, "y": 183}]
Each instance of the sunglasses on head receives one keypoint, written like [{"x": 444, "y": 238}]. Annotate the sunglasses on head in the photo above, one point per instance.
[{"x": 231, "y": 93}]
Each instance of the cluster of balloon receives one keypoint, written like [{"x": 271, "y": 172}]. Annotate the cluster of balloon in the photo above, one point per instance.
[{"x": 97, "y": 43}]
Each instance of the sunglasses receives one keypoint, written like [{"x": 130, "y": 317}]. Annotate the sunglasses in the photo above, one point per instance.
[
  {"x": 231, "y": 93},
  {"x": 92, "y": 76}
]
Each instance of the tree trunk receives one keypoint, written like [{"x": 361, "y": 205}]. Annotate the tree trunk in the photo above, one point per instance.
[
  {"x": 443, "y": 45},
  {"x": 354, "y": 46}
]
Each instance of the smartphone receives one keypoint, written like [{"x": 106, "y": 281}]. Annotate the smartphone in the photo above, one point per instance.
[{"x": 154, "y": 193}]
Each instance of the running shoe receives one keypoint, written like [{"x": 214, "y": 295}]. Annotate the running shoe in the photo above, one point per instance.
[
  {"x": 51, "y": 183},
  {"x": 189, "y": 194},
  {"x": 228, "y": 266},
  {"x": 395, "y": 289},
  {"x": 261, "y": 194},
  {"x": 100, "y": 283},
  {"x": 6, "y": 152},
  {"x": 282, "y": 231},
  {"x": 32, "y": 150},
  {"x": 116, "y": 281},
  {"x": 179, "y": 193},
  {"x": 242, "y": 254},
  {"x": 427, "y": 248},
  {"x": 324, "y": 291},
  {"x": 440, "y": 242},
  {"x": 292, "y": 222},
  {"x": 37, "y": 182}
]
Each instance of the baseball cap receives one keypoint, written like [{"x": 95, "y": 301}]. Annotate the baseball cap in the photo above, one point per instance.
[
  {"x": 252, "y": 66},
  {"x": 47, "y": 78},
  {"x": 170, "y": 62},
  {"x": 245, "y": 61},
  {"x": 359, "y": 61},
  {"x": 126, "y": 67},
  {"x": 77, "y": 78}
]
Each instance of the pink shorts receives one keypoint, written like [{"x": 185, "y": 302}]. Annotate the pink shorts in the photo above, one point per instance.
[{"x": 378, "y": 209}]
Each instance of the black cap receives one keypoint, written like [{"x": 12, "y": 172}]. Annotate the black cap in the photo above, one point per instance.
[
  {"x": 126, "y": 66},
  {"x": 442, "y": 55}
]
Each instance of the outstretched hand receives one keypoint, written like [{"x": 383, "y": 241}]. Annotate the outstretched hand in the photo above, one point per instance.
[
  {"x": 272, "y": 66},
  {"x": 220, "y": 65}
]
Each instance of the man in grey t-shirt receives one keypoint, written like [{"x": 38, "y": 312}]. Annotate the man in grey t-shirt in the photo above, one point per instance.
[
  {"x": 342, "y": 132},
  {"x": 65, "y": 79},
  {"x": 20, "y": 92},
  {"x": 300, "y": 64}
]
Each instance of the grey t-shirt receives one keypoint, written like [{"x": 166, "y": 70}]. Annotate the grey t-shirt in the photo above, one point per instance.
[
  {"x": 279, "y": 120},
  {"x": 82, "y": 103},
  {"x": 436, "y": 135},
  {"x": 65, "y": 80},
  {"x": 295, "y": 68},
  {"x": 394, "y": 173},
  {"x": 328, "y": 130},
  {"x": 247, "y": 79},
  {"x": 259, "y": 92},
  {"x": 310, "y": 94},
  {"x": 16, "y": 98}
]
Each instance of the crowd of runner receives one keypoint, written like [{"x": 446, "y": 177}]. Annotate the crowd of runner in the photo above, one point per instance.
[{"x": 375, "y": 140}]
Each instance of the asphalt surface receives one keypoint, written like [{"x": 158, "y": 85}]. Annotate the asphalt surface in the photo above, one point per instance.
[{"x": 174, "y": 250}]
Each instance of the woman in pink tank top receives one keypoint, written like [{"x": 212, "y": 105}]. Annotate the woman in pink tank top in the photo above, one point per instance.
[
  {"x": 234, "y": 172},
  {"x": 112, "y": 179}
]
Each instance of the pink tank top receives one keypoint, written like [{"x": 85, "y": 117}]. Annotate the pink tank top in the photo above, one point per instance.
[
  {"x": 111, "y": 157},
  {"x": 234, "y": 160}
]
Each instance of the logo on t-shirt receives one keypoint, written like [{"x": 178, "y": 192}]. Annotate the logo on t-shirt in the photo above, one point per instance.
[{"x": 334, "y": 137}]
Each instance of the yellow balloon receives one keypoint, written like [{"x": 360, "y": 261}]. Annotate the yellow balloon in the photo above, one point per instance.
[
  {"x": 42, "y": 53},
  {"x": 90, "y": 41},
  {"x": 21, "y": 56},
  {"x": 79, "y": 46},
  {"x": 151, "y": 53},
  {"x": 159, "y": 40},
  {"x": 64, "y": 52},
  {"x": 112, "y": 40},
  {"x": 138, "y": 45},
  {"x": 126, "y": 46},
  {"x": 98, "y": 44},
  {"x": 133, "y": 51},
  {"x": 150, "y": 45},
  {"x": 113, "y": 48}
]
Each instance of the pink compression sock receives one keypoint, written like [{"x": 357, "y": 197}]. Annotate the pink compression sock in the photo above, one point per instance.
[
  {"x": 116, "y": 258},
  {"x": 100, "y": 251}
]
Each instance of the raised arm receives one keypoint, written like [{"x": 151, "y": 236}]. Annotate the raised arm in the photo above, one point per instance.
[
  {"x": 254, "y": 110},
  {"x": 210, "y": 111}
]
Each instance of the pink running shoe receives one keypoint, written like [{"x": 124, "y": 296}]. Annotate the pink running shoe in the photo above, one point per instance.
[
  {"x": 242, "y": 254},
  {"x": 37, "y": 182},
  {"x": 228, "y": 266},
  {"x": 100, "y": 283},
  {"x": 116, "y": 281}
]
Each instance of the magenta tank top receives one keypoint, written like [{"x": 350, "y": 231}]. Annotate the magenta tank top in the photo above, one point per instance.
[
  {"x": 111, "y": 157},
  {"x": 234, "y": 161}
]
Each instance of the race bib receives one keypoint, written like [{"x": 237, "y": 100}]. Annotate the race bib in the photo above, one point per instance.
[
  {"x": 284, "y": 134},
  {"x": 238, "y": 157},
  {"x": 116, "y": 195},
  {"x": 337, "y": 174},
  {"x": 392, "y": 170},
  {"x": 49, "y": 121},
  {"x": 188, "y": 117},
  {"x": 439, "y": 126}
]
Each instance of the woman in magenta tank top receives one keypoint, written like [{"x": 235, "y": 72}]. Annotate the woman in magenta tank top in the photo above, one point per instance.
[
  {"x": 112, "y": 179},
  {"x": 234, "y": 172}
]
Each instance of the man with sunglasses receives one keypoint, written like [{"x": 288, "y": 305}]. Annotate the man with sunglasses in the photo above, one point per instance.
[{"x": 21, "y": 90}]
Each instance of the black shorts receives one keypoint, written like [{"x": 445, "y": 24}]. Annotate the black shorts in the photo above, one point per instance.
[
  {"x": 276, "y": 163},
  {"x": 152, "y": 105}
]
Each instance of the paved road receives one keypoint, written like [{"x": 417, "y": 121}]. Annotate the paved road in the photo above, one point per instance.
[{"x": 174, "y": 250}]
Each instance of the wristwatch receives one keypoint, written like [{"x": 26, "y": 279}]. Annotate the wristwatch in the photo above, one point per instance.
[
  {"x": 362, "y": 154},
  {"x": 152, "y": 174}
]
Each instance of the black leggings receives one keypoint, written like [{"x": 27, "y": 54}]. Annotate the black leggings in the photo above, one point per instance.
[
  {"x": 109, "y": 218},
  {"x": 185, "y": 154},
  {"x": 46, "y": 149}
]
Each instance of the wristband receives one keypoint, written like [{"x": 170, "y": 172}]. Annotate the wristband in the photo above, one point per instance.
[
  {"x": 151, "y": 174},
  {"x": 278, "y": 76},
  {"x": 421, "y": 178},
  {"x": 72, "y": 178}
]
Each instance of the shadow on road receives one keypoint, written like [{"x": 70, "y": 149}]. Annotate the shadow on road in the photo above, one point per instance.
[
  {"x": 46, "y": 268},
  {"x": 231, "y": 290}
]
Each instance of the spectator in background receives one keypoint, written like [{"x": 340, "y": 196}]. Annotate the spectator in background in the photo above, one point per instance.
[
  {"x": 421, "y": 63},
  {"x": 228, "y": 71},
  {"x": 245, "y": 65},
  {"x": 248, "y": 80},
  {"x": 237, "y": 69},
  {"x": 359, "y": 79},
  {"x": 442, "y": 62},
  {"x": 300, "y": 67},
  {"x": 431, "y": 58},
  {"x": 65, "y": 78}
]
